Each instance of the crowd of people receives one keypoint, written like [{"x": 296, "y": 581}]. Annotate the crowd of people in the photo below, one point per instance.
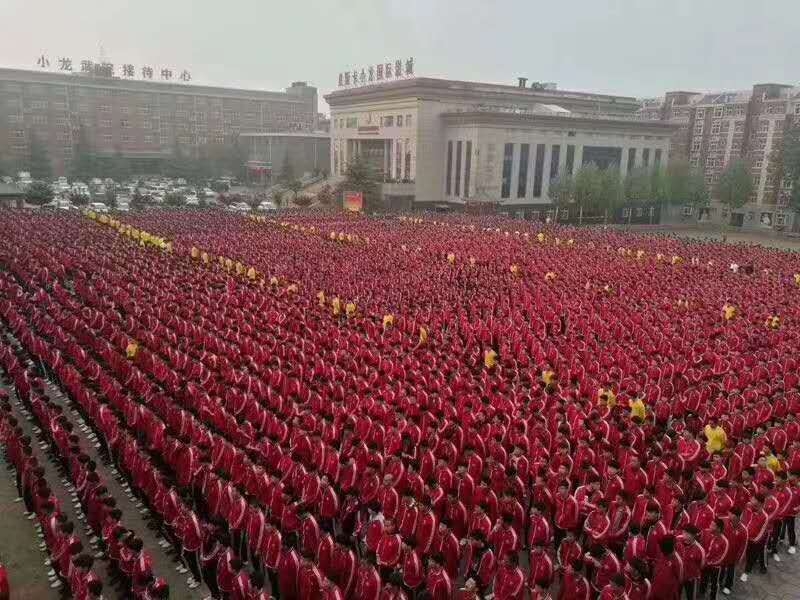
[{"x": 333, "y": 407}]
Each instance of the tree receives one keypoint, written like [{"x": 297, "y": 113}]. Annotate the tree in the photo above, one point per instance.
[
  {"x": 562, "y": 190},
  {"x": 78, "y": 199},
  {"x": 138, "y": 201},
  {"x": 120, "y": 168},
  {"x": 676, "y": 182},
  {"x": 111, "y": 196},
  {"x": 360, "y": 177},
  {"x": 39, "y": 163},
  {"x": 612, "y": 191},
  {"x": 302, "y": 201},
  {"x": 696, "y": 189},
  {"x": 638, "y": 186},
  {"x": 174, "y": 199},
  {"x": 277, "y": 198},
  {"x": 294, "y": 186},
  {"x": 219, "y": 186},
  {"x": 735, "y": 184},
  {"x": 325, "y": 195},
  {"x": 588, "y": 188},
  {"x": 38, "y": 193}
]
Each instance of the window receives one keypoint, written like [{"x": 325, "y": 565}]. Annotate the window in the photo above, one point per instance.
[
  {"x": 717, "y": 112},
  {"x": 408, "y": 120},
  {"x": 555, "y": 156},
  {"x": 124, "y": 110},
  {"x": 797, "y": 109},
  {"x": 756, "y": 180},
  {"x": 126, "y": 139},
  {"x": 449, "y": 167},
  {"x": 715, "y": 127},
  {"x": 467, "y": 166},
  {"x": 538, "y": 171},
  {"x": 701, "y": 113},
  {"x": 148, "y": 139},
  {"x": 407, "y": 163},
  {"x": 657, "y": 158},
  {"x": 105, "y": 123},
  {"x": 38, "y": 104},
  {"x": 125, "y": 124},
  {"x": 13, "y": 118},
  {"x": 570, "y": 159},
  {"x": 740, "y": 110},
  {"x": 108, "y": 138},
  {"x": 687, "y": 211},
  {"x": 388, "y": 121},
  {"x": 61, "y": 122},
  {"x": 508, "y": 161},
  {"x": 399, "y": 120},
  {"x": 696, "y": 146},
  {"x": 147, "y": 124},
  {"x": 19, "y": 133},
  {"x": 104, "y": 108},
  {"x": 458, "y": 168},
  {"x": 698, "y": 128},
  {"x": 639, "y": 212},
  {"x": 646, "y": 157},
  {"x": 631, "y": 159},
  {"x": 626, "y": 213},
  {"x": 780, "y": 219},
  {"x": 522, "y": 182},
  {"x": 398, "y": 155},
  {"x": 40, "y": 119},
  {"x": 351, "y": 122}
]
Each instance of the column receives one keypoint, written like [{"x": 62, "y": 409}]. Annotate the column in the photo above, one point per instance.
[
  {"x": 548, "y": 157},
  {"x": 562, "y": 158},
  {"x": 531, "y": 169},
  {"x": 623, "y": 162},
  {"x": 516, "y": 153},
  {"x": 578, "y": 158}
]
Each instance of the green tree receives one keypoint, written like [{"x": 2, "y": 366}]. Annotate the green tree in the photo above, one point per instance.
[
  {"x": 562, "y": 190},
  {"x": 325, "y": 195},
  {"x": 78, "y": 199},
  {"x": 219, "y": 186},
  {"x": 588, "y": 188},
  {"x": 111, "y": 196},
  {"x": 138, "y": 201},
  {"x": 676, "y": 182},
  {"x": 360, "y": 177},
  {"x": 294, "y": 186},
  {"x": 638, "y": 186},
  {"x": 38, "y": 193},
  {"x": 120, "y": 167},
  {"x": 277, "y": 198},
  {"x": 612, "y": 191},
  {"x": 302, "y": 201},
  {"x": 696, "y": 189},
  {"x": 735, "y": 184},
  {"x": 174, "y": 199},
  {"x": 39, "y": 161}
]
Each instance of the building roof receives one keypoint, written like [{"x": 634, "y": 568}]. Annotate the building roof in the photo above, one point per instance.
[
  {"x": 564, "y": 120},
  {"x": 443, "y": 87},
  {"x": 297, "y": 134},
  {"x": 141, "y": 85}
]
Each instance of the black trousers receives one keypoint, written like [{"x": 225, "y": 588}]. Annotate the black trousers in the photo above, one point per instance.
[
  {"x": 274, "y": 590},
  {"x": 193, "y": 563},
  {"x": 710, "y": 582},
  {"x": 788, "y": 530},
  {"x": 755, "y": 553},
  {"x": 728, "y": 576},
  {"x": 689, "y": 588},
  {"x": 774, "y": 537}
]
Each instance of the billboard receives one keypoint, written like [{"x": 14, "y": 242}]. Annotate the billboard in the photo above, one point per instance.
[{"x": 354, "y": 201}]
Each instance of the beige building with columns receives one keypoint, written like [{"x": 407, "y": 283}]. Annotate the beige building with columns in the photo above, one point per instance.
[{"x": 453, "y": 142}]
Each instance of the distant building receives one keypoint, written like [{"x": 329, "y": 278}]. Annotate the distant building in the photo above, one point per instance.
[
  {"x": 714, "y": 129},
  {"x": 141, "y": 119},
  {"x": 451, "y": 143},
  {"x": 267, "y": 153}
]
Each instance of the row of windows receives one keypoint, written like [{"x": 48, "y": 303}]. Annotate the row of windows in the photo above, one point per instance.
[
  {"x": 451, "y": 186},
  {"x": 522, "y": 178},
  {"x": 384, "y": 121}
]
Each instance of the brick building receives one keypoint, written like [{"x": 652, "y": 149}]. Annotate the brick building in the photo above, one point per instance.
[
  {"x": 717, "y": 128},
  {"x": 139, "y": 119}
]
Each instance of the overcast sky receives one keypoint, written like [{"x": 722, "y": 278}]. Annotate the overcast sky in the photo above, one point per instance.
[{"x": 630, "y": 47}]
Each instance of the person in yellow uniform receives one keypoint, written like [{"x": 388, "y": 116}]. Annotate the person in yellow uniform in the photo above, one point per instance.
[
  {"x": 607, "y": 397},
  {"x": 131, "y": 350},
  {"x": 350, "y": 309},
  {"x": 423, "y": 336},
  {"x": 716, "y": 438},
  {"x": 729, "y": 311},
  {"x": 638, "y": 409},
  {"x": 337, "y": 306},
  {"x": 388, "y": 321},
  {"x": 548, "y": 377},
  {"x": 490, "y": 359},
  {"x": 321, "y": 297}
]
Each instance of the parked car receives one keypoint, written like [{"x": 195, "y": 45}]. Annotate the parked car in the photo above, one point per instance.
[
  {"x": 267, "y": 206},
  {"x": 239, "y": 207},
  {"x": 192, "y": 201},
  {"x": 98, "y": 207}
]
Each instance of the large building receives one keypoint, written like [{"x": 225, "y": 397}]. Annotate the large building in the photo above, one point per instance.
[
  {"x": 452, "y": 143},
  {"x": 268, "y": 153},
  {"x": 714, "y": 129},
  {"x": 137, "y": 118}
]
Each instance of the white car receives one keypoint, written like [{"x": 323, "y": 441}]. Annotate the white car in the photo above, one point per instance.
[
  {"x": 267, "y": 206},
  {"x": 63, "y": 204},
  {"x": 98, "y": 207},
  {"x": 192, "y": 201},
  {"x": 239, "y": 207}
]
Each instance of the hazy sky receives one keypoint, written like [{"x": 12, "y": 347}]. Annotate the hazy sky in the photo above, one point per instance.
[{"x": 630, "y": 47}]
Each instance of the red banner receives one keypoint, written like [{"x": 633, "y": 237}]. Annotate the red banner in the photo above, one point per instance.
[{"x": 354, "y": 201}]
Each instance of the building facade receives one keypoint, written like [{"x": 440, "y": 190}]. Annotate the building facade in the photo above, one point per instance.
[
  {"x": 137, "y": 118},
  {"x": 714, "y": 129},
  {"x": 452, "y": 142},
  {"x": 267, "y": 153}
]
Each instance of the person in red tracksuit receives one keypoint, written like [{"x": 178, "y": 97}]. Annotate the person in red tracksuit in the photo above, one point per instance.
[
  {"x": 566, "y": 512},
  {"x": 438, "y": 583},
  {"x": 667, "y": 572},
  {"x": 614, "y": 589},
  {"x": 694, "y": 559},
  {"x": 368, "y": 581},
  {"x": 289, "y": 569},
  {"x": 509, "y": 583},
  {"x": 574, "y": 585},
  {"x": 715, "y": 545},
  {"x": 756, "y": 521},
  {"x": 736, "y": 534}
]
